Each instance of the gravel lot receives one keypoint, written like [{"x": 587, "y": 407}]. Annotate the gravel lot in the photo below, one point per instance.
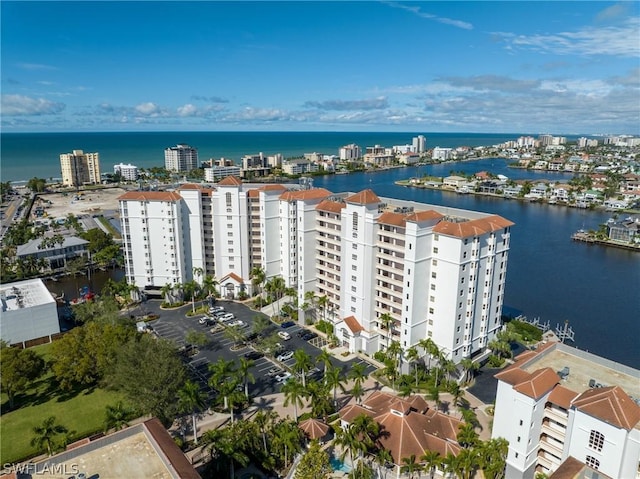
[{"x": 91, "y": 202}]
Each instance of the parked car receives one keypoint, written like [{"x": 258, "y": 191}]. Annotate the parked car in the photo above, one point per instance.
[
  {"x": 288, "y": 324},
  {"x": 251, "y": 337},
  {"x": 284, "y": 335},
  {"x": 309, "y": 336},
  {"x": 285, "y": 355},
  {"x": 283, "y": 376},
  {"x": 301, "y": 332},
  {"x": 227, "y": 317},
  {"x": 313, "y": 372},
  {"x": 253, "y": 355},
  {"x": 203, "y": 320},
  {"x": 274, "y": 371},
  {"x": 237, "y": 322},
  {"x": 216, "y": 309}
]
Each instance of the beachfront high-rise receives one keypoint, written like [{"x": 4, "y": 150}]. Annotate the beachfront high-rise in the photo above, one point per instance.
[
  {"x": 180, "y": 158},
  {"x": 390, "y": 270},
  {"x": 80, "y": 168}
]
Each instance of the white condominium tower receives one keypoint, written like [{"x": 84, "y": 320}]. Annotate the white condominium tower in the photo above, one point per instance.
[
  {"x": 384, "y": 269},
  {"x": 180, "y": 158},
  {"x": 79, "y": 168}
]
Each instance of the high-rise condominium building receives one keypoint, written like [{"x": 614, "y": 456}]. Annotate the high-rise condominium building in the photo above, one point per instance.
[
  {"x": 560, "y": 405},
  {"x": 180, "y": 158},
  {"x": 419, "y": 144},
  {"x": 390, "y": 270},
  {"x": 127, "y": 172},
  {"x": 79, "y": 168}
]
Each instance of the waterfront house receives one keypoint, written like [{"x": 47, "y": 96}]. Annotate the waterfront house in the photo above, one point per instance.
[
  {"x": 512, "y": 191},
  {"x": 561, "y": 192},
  {"x": 454, "y": 182},
  {"x": 625, "y": 231},
  {"x": 539, "y": 190},
  {"x": 55, "y": 253},
  {"x": 556, "y": 165}
]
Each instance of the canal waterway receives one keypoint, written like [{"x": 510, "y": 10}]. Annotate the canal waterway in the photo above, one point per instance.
[{"x": 595, "y": 288}]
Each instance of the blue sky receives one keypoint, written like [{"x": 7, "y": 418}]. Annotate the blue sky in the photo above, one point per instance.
[{"x": 558, "y": 67}]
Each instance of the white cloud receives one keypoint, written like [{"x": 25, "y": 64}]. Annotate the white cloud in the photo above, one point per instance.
[
  {"x": 148, "y": 109},
  {"x": 619, "y": 40},
  {"x": 429, "y": 16},
  {"x": 19, "y": 105},
  {"x": 36, "y": 66},
  {"x": 367, "y": 104},
  {"x": 187, "y": 110}
]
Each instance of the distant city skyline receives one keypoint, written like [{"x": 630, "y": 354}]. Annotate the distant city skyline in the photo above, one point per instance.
[{"x": 491, "y": 67}]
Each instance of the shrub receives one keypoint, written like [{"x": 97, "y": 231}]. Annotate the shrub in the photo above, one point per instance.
[
  {"x": 495, "y": 361},
  {"x": 324, "y": 326}
]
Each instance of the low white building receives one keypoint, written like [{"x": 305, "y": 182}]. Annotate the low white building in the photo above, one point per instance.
[
  {"x": 442, "y": 154},
  {"x": 220, "y": 172},
  {"x": 28, "y": 311},
  {"x": 559, "y": 402}
]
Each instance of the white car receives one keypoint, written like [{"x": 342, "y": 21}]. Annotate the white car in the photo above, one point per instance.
[
  {"x": 215, "y": 309},
  {"x": 237, "y": 322},
  {"x": 284, "y": 335},
  {"x": 227, "y": 317},
  {"x": 285, "y": 355},
  {"x": 282, "y": 377},
  {"x": 204, "y": 319}
]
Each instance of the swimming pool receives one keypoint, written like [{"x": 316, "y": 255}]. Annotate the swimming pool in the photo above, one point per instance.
[{"x": 338, "y": 465}]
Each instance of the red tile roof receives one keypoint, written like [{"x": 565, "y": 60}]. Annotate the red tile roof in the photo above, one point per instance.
[
  {"x": 539, "y": 383},
  {"x": 425, "y": 215},
  {"x": 230, "y": 181},
  {"x": 314, "y": 428},
  {"x": 609, "y": 404},
  {"x": 353, "y": 324},
  {"x": 233, "y": 276},
  {"x": 365, "y": 197},
  {"x": 190, "y": 186},
  {"x": 477, "y": 227},
  {"x": 409, "y": 426},
  {"x": 312, "y": 194},
  {"x": 331, "y": 206},
  {"x": 255, "y": 192},
  {"x": 562, "y": 396},
  {"x": 394, "y": 219},
  {"x": 150, "y": 196}
]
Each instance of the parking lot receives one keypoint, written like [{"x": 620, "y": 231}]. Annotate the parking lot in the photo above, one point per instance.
[{"x": 174, "y": 325}]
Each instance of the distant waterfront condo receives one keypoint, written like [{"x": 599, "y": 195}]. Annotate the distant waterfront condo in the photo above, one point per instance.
[
  {"x": 79, "y": 168},
  {"x": 219, "y": 172},
  {"x": 350, "y": 152},
  {"x": 127, "y": 172},
  {"x": 419, "y": 144},
  {"x": 562, "y": 408},
  {"x": 388, "y": 269},
  {"x": 181, "y": 158}
]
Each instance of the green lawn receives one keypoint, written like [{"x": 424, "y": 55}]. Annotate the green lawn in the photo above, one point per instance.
[{"x": 80, "y": 411}]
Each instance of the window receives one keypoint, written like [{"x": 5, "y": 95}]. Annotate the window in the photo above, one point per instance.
[
  {"x": 228, "y": 198},
  {"x": 433, "y": 287},
  {"x": 434, "y": 262},
  {"x": 355, "y": 221},
  {"x": 592, "y": 462},
  {"x": 435, "y": 250},
  {"x": 596, "y": 440},
  {"x": 436, "y": 237},
  {"x": 433, "y": 274}
]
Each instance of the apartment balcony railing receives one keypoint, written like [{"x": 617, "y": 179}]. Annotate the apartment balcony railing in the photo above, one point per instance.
[{"x": 556, "y": 414}]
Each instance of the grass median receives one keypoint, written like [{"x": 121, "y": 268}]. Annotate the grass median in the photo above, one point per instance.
[{"x": 81, "y": 411}]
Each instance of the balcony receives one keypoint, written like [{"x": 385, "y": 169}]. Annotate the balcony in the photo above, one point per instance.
[
  {"x": 552, "y": 446},
  {"x": 556, "y": 414}
]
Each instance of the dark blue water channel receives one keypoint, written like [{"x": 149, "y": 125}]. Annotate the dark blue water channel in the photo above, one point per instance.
[{"x": 595, "y": 288}]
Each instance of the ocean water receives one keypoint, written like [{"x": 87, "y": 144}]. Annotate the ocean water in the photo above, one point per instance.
[{"x": 25, "y": 155}]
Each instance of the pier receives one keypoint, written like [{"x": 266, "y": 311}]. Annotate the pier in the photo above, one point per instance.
[{"x": 590, "y": 238}]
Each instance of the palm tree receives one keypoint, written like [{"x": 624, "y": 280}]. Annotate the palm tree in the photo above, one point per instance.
[
  {"x": 222, "y": 445},
  {"x": 192, "y": 401},
  {"x": 209, "y": 284},
  {"x": 294, "y": 392},
  {"x": 347, "y": 441},
  {"x": 310, "y": 299},
  {"x": 258, "y": 276},
  {"x": 467, "y": 463},
  {"x": 323, "y": 302},
  {"x": 450, "y": 465},
  {"x": 366, "y": 430},
  {"x": 263, "y": 419},
  {"x": 410, "y": 466},
  {"x": 412, "y": 356},
  {"x": 431, "y": 461},
  {"x": 430, "y": 348},
  {"x": 319, "y": 399},
  {"x": 357, "y": 373},
  {"x": 467, "y": 436},
  {"x": 333, "y": 379},
  {"x": 190, "y": 289},
  {"x": 288, "y": 436},
  {"x": 358, "y": 392},
  {"x": 386, "y": 320},
  {"x": 245, "y": 375},
  {"x": 325, "y": 358},
  {"x": 220, "y": 370},
  {"x": 457, "y": 392},
  {"x": 45, "y": 434},
  {"x": 197, "y": 272},
  {"x": 167, "y": 293},
  {"x": 303, "y": 362},
  {"x": 116, "y": 416},
  {"x": 383, "y": 458},
  {"x": 493, "y": 456},
  {"x": 470, "y": 367}
]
